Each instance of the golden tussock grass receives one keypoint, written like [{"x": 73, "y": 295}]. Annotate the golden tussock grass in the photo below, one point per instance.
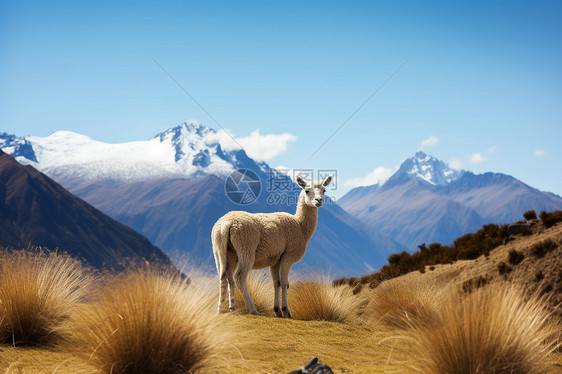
[
  {"x": 146, "y": 322},
  {"x": 316, "y": 299},
  {"x": 401, "y": 302},
  {"x": 309, "y": 299},
  {"x": 495, "y": 329},
  {"x": 38, "y": 291}
]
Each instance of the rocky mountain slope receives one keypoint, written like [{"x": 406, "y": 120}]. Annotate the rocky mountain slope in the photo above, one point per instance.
[{"x": 37, "y": 211}]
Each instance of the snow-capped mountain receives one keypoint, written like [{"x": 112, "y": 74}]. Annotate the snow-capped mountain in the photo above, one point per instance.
[
  {"x": 425, "y": 201},
  {"x": 172, "y": 189},
  {"x": 19, "y": 148},
  {"x": 185, "y": 151},
  {"x": 425, "y": 168}
]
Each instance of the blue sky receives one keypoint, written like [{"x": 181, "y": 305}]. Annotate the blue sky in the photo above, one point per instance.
[{"x": 482, "y": 87}]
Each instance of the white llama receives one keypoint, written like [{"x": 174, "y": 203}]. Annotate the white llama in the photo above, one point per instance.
[{"x": 244, "y": 241}]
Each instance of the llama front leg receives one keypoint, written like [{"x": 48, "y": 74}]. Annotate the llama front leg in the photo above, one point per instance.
[
  {"x": 274, "y": 270},
  {"x": 284, "y": 270}
]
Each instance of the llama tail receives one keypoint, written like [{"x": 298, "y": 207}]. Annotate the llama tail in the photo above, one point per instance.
[{"x": 220, "y": 237}]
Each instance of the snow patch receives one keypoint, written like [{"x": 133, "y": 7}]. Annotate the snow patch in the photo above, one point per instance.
[{"x": 185, "y": 151}]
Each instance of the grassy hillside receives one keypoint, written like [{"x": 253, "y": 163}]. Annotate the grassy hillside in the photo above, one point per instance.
[
  {"x": 496, "y": 313},
  {"x": 271, "y": 345},
  {"x": 481, "y": 244},
  {"x": 267, "y": 345}
]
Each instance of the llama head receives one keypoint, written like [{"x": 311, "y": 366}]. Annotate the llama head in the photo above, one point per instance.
[{"x": 314, "y": 192}]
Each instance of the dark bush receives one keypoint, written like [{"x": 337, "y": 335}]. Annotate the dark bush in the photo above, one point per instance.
[
  {"x": 548, "y": 288},
  {"x": 530, "y": 214},
  {"x": 541, "y": 248},
  {"x": 474, "y": 283},
  {"x": 515, "y": 257},
  {"x": 550, "y": 219},
  {"x": 467, "y": 247},
  {"x": 396, "y": 258},
  {"x": 504, "y": 268},
  {"x": 539, "y": 276},
  {"x": 526, "y": 231}
]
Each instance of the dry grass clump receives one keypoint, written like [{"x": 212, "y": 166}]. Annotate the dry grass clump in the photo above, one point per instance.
[
  {"x": 309, "y": 299},
  {"x": 541, "y": 248},
  {"x": 492, "y": 330},
  {"x": 260, "y": 288},
  {"x": 504, "y": 268},
  {"x": 38, "y": 291},
  {"x": 149, "y": 322},
  {"x": 515, "y": 257},
  {"x": 403, "y": 302},
  {"x": 316, "y": 299}
]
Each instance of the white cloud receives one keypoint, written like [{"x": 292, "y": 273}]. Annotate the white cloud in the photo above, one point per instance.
[
  {"x": 267, "y": 146},
  {"x": 224, "y": 138},
  {"x": 259, "y": 147},
  {"x": 539, "y": 153},
  {"x": 476, "y": 158},
  {"x": 494, "y": 148},
  {"x": 429, "y": 142},
  {"x": 455, "y": 163},
  {"x": 379, "y": 175}
]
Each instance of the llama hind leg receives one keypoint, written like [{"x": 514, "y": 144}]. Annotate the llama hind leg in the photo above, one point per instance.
[
  {"x": 241, "y": 276},
  {"x": 222, "y": 293},
  {"x": 233, "y": 263},
  {"x": 274, "y": 270}
]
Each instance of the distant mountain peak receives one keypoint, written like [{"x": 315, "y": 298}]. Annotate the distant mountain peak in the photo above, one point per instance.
[
  {"x": 429, "y": 169},
  {"x": 187, "y": 130},
  {"x": 185, "y": 151},
  {"x": 17, "y": 147}
]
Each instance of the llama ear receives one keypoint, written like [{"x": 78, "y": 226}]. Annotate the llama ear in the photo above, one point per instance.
[
  {"x": 327, "y": 181},
  {"x": 301, "y": 182}
]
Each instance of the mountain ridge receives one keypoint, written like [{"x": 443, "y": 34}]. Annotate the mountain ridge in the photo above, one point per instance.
[
  {"x": 177, "y": 207},
  {"x": 414, "y": 211},
  {"x": 37, "y": 211}
]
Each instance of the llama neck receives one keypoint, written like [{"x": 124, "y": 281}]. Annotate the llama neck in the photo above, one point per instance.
[{"x": 306, "y": 216}]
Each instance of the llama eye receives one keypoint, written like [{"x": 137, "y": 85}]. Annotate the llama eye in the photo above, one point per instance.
[{"x": 307, "y": 190}]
